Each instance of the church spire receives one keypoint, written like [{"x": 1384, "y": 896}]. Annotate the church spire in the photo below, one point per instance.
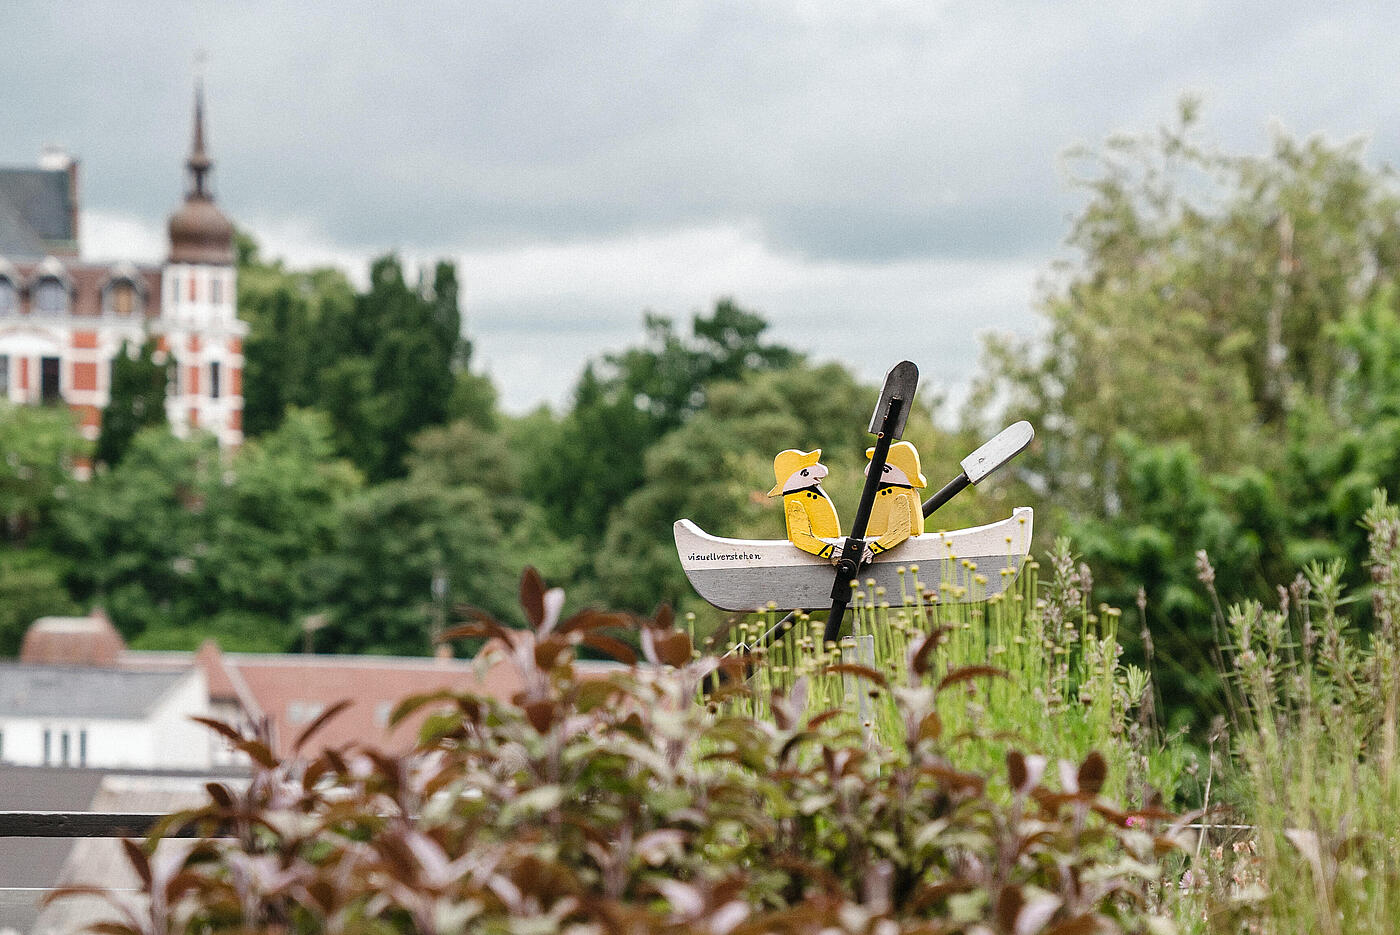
[
  {"x": 199, "y": 232},
  {"x": 199, "y": 162}
]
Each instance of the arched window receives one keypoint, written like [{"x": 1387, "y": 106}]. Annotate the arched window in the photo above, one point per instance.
[
  {"x": 9, "y": 297},
  {"x": 121, "y": 298},
  {"x": 50, "y": 297}
]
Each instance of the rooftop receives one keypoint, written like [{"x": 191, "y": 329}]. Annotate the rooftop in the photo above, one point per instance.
[
  {"x": 77, "y": 641},
  {"x": 37, "y": 212},
  {"x": 78, "y": 691}
]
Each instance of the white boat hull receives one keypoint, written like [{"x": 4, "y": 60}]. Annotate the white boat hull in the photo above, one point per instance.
[{"x": 751, "y": 574}]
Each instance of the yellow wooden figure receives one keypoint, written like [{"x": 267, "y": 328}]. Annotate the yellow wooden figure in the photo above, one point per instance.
[
  {"x": 898, "y": 512},
  {"x": 810, "y": 514}
]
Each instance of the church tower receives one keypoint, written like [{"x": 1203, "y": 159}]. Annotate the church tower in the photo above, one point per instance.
[{"x": 200, "y": 325}]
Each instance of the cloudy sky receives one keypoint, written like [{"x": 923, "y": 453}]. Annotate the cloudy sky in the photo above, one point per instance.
[{"x": 880, "y": 180}]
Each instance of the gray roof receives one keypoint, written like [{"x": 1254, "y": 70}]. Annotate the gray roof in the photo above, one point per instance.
[
  {"x": 35, "y": 210},
  {"x": 80, "y": 691}
]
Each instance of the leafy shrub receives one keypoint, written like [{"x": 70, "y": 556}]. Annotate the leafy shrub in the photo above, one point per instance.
[{"x": 619, "y": 804}]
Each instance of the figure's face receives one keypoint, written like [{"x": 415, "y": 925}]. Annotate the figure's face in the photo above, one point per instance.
[
  {"x": 805, "y": 477},
  {"x": 892, "y": 475}
]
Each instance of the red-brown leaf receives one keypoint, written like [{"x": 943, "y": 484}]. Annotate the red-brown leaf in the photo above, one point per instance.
[
  {"x": 413, "y": 702},
  {"x": 673, "y": 647},
  {"x": 1016, "y": 770},
  {"x": 479, "y": 629},
  {"x": 314, "y": 771},
  {"x": 1009, "y": 906},
  {"x": 219, "y": 727},
  {"x": 664, "y": 618},
  {"x": 324, "y": 894},
  {"x": 968, "y": 673},
  {"x": 532, "y": 596},
  {"x": 612, "y": 646},
  {"x": 926, "y": 896},
  {"x": 337, "y": 762},
  {"x": 956, "y": 779},
  {"x": 138, "y": 860},
  {"x": 77, "y": 889},
  {"x": 319, "y": 723},
  {"x": 1079, "y": 925},
  {"x": 180, "y": 883},
  {"x": 920, "y": 663},
  {"x": 1092, "y": 773},
  {"x": 220, "y": 794},
  {"x": 547, "y": 651},
  {"x": 541, "y": 714},
  {"x": 793, "y": 743},
  {"x": 109, "y": 928},
  {"x": 595, "y": 620},
  {"x": 258, "y": 752},
  {"x": 865, "y": 672}
]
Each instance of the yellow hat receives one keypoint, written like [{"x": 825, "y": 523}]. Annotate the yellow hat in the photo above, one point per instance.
[
  {"x": 904, "y": 456},
  {"x": 788, "y": 462}
]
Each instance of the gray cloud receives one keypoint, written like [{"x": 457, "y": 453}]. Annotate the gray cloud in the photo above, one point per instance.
[
  {"x": 875, "y": 132},
  {"x": 863, "y": 134}
]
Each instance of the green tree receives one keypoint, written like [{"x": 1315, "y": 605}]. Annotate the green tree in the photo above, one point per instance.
[
  {"x": 134, "y": 533},
  {"x": 1218, "y": 373},
  {"x": 395, "y": 538},
  {"x": 593, "y": 459},
  {"x": 179, "y": 542},
  {"x": 1199, "y": 305},
  {"x": 39, "y": 449},
  {"x": 137, "y": 400},
  {"x": 459, "y": 515},
  {"x": 287, "y": 349},
  {"x": 396, "y": 355},
  {"x": 31, "y": 586},
  {"x": 274, "y": 525}
]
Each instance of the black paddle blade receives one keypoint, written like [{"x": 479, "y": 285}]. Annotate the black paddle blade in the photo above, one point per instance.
[{"x": 901, "y": 381}]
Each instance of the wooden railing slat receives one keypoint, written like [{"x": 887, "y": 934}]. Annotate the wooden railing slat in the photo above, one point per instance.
[{"x": 82, "y": 825}]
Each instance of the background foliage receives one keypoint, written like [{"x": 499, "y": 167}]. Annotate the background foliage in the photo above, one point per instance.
[
  {"x": 1218, "y": 372},
  {"x": 1219, "y": 369}
]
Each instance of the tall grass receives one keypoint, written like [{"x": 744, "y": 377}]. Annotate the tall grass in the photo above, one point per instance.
[
  {"x": 1311, "y": 759},
  {"x": 1055, "y": 680}
]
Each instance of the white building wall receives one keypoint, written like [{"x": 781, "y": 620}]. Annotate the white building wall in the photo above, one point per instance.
[
  {"x": 212, "y": 317},
  {"x": 109, "y": 742},
  {"x": 180, "y": 743},
  {"x": 165, "y": 738},
  {"x": 33, "y": 341}
]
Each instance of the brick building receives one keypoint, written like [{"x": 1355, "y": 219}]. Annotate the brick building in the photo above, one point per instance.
[{"x": 63, "y": 319}]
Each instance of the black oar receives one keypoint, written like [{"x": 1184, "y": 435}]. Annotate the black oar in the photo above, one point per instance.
[{"x": 887, "y": 425}]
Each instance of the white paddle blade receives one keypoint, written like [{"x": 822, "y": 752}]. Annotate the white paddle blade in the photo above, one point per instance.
[{"x": 1008, "y": 443}]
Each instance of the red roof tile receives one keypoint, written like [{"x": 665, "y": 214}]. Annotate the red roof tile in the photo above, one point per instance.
[
  {"x": 72, "y": 641},
  {"x": 292, "y": 690}
]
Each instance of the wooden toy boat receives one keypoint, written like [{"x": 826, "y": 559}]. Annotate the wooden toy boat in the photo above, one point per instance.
[{"x": 749, "y": 574}]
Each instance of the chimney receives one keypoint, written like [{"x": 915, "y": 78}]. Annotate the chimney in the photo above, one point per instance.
[{"x": 54, "y": 158}]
